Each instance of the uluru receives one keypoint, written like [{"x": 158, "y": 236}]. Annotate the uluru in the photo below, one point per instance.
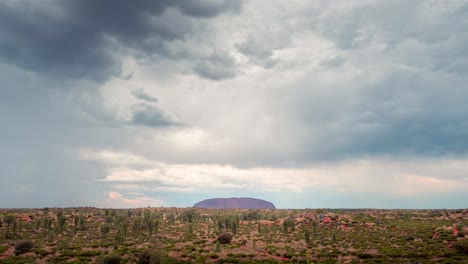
[{"x": 235, "y": 203}]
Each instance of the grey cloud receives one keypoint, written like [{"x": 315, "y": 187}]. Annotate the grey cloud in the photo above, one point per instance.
[
  {"x": 414, "y": 105},
  {"x": 412, "y": 119},
  {"x": 217, "y": 66},
  {"x": 360, "y": 24},
  {"x": 426, "y": 22},
  {"x": 40, "y": 130},
  {"x": 128, "y": 76},
  {"x": 142, "y": 95},
  {"x": 80, "y": 39},
  {"x": 333, "y": 62},
  {"x": 151, "y": 116},
  {"x": 259, "y": 53},
  {"x": 208, "y": 8},
  {"x": 401, "y": 115}
]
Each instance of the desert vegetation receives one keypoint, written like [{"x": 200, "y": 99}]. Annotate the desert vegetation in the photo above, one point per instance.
[{"x": 188, "y": 235}]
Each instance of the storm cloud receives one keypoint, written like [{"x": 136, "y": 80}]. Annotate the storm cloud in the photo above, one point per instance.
[{"x": 84, "y": 39}]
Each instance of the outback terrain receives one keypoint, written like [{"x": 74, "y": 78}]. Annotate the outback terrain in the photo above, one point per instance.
[{"x": 195, "y": 235}]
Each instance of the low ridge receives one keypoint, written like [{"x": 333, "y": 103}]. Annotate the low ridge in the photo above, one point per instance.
[{"x": 235, "y": 203}]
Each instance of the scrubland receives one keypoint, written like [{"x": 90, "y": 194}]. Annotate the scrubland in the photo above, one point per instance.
[{"x": 188, "y": 235}]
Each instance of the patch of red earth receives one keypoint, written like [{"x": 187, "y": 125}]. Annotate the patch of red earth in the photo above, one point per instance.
[
  {"x": 372, "y": 251},
  {"x": 300, "y": 219},
  {"x": 7, "y": 253},
  {"x": 346, "y": 259},
  {"x": 310, "y": 216},
  {"x": 279, "y": 222},
  {"x": 24, "y": 217},
  {"x": 266, "y": 222}
]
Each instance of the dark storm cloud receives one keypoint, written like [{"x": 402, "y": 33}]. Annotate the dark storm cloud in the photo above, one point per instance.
[
  {"x": 79, "y": 39},
  {"x": 151, "y": 116},
  {"x": 207, "y": 8},
  {"x": 142, "y": 95}
]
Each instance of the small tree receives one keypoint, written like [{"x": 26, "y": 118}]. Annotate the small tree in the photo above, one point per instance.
[
  {"x": 150, "y": 227},
  {"x": 61, "y": 220},
  {"x": 118, "y": 238},
  {"x": 15, "y": 225},
  {"x": 315, "y": 229},
  {"x": 234, "y": 228},
  {"x": 82, "y": 223},
  {"x": 156, "y": 226},
  {"x": 288, "y": 225},
  {"x": 218, "y": 247},
  {"x": 307, "y": 236},
  {"x": 104, "y": 229},
  {"x": 9, "y": 219}
]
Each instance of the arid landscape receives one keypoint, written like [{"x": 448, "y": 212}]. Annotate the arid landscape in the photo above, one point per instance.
[{"x": 189, "y": 235}]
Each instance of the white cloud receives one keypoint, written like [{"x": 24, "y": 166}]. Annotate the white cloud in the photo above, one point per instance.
[
  {"x": 118, "y": 200},
  {"x": 113, "y": 158},
  {"x": 399, "y": 178}
]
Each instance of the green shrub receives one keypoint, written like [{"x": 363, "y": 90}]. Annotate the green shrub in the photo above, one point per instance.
[
  {"x": 111, "y": 259},
  {"x": 461, "y": 246},
  {"x": 89, "y": 253},
  {"x": 363, "y": 255},
  {"x": 225, "y": 238},
  {"x": 151, "y": 256},
  {"x": 17, "y": 260},
  {"x": 23, "y": 246}
]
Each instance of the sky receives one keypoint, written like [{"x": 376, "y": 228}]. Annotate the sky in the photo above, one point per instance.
[{"x": 307, "y": 104}]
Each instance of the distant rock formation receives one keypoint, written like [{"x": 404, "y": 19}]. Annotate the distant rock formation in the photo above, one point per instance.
[{"x": 239, "y": 203}]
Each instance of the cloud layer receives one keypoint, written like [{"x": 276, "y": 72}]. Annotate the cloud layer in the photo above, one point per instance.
[{"x": 182, "y": 100}]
